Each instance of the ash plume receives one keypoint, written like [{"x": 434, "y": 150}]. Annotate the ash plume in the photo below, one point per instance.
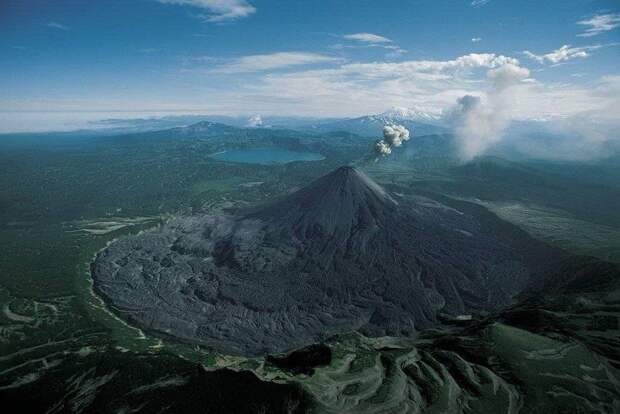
[
  {"x": 393, "y": 136},
  {"x": 255, "y": 121},
  {"x": 480, "y": 123}
]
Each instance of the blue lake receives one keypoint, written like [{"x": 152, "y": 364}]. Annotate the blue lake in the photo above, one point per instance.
[{"x": 266, "y": 156}]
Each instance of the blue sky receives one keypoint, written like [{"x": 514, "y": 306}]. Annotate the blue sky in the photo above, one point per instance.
[{"x": 307, "y": 58}]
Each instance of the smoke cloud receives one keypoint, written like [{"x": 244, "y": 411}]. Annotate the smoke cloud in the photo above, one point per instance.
[
  {"x": 393, "y": 136},
  {"x": 255, "y": 121},
  {"x": 480, "y": 123}
]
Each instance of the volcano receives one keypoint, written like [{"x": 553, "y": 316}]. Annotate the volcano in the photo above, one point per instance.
[{"x": 341, "y": 254}]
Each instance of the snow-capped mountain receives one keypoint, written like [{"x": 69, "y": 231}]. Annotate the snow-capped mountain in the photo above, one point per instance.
[
  {"x": 399, "y": 113},
  {"x": 418, "y": 122}
]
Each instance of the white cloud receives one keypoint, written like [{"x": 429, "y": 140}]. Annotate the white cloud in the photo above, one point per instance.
[
  {"x": 427, "y": 69},
  {"x": 507, "y": 76},
  {"x": 599, "y": 23},
  {"x": 478, "y": 3},
  {"x": 562, "y": 54},
  {"x": 353, "y": 89},
  {"x": 367, "y": 38},
  {"x": 395, "y": 51},
  {"x": 364, "y": 40},
  {"x": 476, "y": 39},
  {"x": 56, "y": 25},
  {"x": 258, "y": 63},
  {"x": 218, "y": 10},
  {"x": 564, "y": 100}
]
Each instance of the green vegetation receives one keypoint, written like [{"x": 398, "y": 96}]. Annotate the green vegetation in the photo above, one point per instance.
[{"x": 64, "y": 197}]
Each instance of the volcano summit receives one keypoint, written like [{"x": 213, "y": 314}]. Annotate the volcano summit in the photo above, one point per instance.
[{"x": 339, "y": 255}]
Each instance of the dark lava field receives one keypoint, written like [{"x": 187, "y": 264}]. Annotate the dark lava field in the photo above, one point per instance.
[{"x": 340, "y": 255}]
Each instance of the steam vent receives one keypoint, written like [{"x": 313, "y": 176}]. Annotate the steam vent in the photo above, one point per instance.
[{"x": 339, "y": 255}]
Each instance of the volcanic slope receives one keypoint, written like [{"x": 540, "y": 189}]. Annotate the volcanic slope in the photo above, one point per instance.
[{"x": 339, "y": 255}]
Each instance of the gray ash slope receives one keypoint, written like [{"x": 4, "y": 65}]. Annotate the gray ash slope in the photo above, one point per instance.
[{"x": 338, "y": 255}]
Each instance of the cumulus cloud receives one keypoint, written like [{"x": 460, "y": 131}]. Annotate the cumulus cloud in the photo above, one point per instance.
[
  {"x": 562, "y": 54},
  {"x": 56, "y": 25},
  {"x": 393, "y": 136},
  {"x": 367, "y": 38},
  {"x": 599, "y": 23},
  {"x": 424, "y": 68},
  {"x": 506, "y": 76},
  {"x": 353, "y": 89},
  {"x": 481, "y": 123},
  {"x": 218, "y": 10},
  {"x": 255, "y": 121},
  {"x": 257, "y": 63},
  {"x": 476, "y": 39},
  {"x": 478, "y": 3}
]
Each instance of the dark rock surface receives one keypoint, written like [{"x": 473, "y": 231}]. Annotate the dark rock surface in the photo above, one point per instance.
[
  {"x": 338, "y": 255},
  {"x": 113, "y": 382},
  {"x": 303, "y": 361}
]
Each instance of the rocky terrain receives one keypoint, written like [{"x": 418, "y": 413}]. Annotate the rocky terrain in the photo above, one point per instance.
[
  {"x": 554, "y": 351},
  {"x": 339, "y": 255}
]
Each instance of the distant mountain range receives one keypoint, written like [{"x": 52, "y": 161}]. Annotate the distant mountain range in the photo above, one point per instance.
[
  {"x": 157, "y": 123},
  {"x": 521, "y": 139},
  {"x": 418, "y": 122}
]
